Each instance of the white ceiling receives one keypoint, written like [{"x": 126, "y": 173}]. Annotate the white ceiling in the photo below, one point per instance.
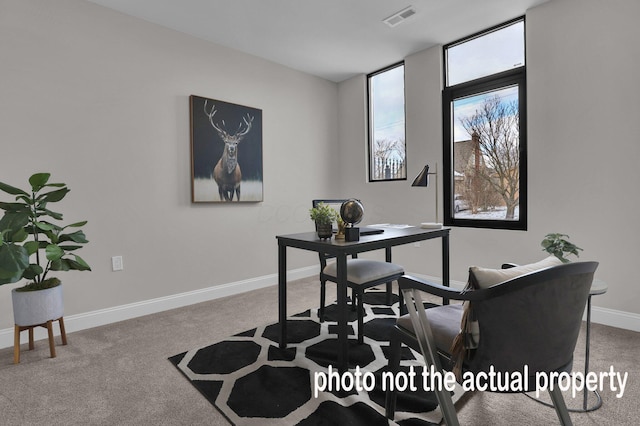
[{"x": 333, "y": 39}]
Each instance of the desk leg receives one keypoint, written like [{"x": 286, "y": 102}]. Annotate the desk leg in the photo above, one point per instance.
[
  {"x": 387, "y": 253},
  {"x": 445, "y": 265},
  {"x": 401, "y": 306},
  {"x": 343, "y": 341},
  {"x": 282, "y": 294}
]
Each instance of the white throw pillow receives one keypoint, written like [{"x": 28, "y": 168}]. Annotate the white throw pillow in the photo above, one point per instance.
[{"x": 487, "y": 277}]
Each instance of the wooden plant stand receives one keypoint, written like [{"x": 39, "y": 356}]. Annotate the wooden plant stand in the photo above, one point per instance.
[{"x": 49, "y": 326}]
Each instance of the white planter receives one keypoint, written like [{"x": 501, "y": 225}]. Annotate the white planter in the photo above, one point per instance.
[{"x": 37, "y": 307}]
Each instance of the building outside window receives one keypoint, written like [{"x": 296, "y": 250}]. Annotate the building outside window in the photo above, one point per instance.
[
  {"x": 386, "y": 114},
  {"x": 484, "y": 115}
]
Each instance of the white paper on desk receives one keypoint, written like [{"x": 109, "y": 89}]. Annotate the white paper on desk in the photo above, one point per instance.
[{"x": 391, "y": 225}]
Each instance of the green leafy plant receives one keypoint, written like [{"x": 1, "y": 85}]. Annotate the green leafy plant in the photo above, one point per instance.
[
  {"x": 323, "y": 214},
  {"x": 29, "y": 229},
  {"x": 558, "y": 245}
]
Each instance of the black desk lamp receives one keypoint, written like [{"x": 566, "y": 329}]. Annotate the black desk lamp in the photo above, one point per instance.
[{"x": 423, "y": 180}]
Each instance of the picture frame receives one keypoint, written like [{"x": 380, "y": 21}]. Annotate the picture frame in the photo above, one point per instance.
[{"x": 226, "y": 152}]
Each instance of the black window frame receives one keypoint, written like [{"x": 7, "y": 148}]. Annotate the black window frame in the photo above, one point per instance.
[
  {"x": 370, "y": 123},
  {"x": 513, "y": 77}
]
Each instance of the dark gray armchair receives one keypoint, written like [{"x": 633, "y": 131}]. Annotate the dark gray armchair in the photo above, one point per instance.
[{"x": 532, "y": 320}]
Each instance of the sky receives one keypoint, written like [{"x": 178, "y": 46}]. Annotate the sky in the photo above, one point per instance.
[
  {"x": 387, "y": 93},
  {"x": 497, "y": 51}
]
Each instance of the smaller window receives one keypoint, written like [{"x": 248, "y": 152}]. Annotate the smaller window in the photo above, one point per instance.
[{"x": 387, "y": 147}]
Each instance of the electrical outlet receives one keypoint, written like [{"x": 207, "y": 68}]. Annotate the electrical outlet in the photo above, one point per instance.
[
  {"x": 116, "y": 263},
  {"x": 416, "y": 244}
]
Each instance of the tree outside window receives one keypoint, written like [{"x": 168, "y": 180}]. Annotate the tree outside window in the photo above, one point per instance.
[{"x": 387, "y": 148}]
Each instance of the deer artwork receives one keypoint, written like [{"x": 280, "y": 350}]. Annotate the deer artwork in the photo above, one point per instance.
[{"x": 227, "y": 173}]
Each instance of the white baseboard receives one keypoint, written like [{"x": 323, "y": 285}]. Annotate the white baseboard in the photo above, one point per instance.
[
  {"x": 100, "y": 317},
  {"x": 615, "y": 318},
  {"x": 77, "y": 322}
]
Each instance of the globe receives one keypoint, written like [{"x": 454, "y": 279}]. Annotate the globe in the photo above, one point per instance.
[{"x": 351, "y": 212}]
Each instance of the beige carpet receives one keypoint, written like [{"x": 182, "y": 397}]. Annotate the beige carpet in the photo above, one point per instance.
[{"x": 119, "y": 374}]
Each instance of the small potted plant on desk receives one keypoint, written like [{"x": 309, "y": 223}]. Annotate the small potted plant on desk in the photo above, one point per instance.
[
  {"x": 323, "y": 215},
  {"x": 31, "y": 246}
]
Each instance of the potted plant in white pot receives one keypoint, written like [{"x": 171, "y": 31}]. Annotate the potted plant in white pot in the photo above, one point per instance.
[{"x": 32, "y": 245}]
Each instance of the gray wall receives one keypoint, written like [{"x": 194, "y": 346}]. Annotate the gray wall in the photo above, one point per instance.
[
  {"x": 582, "y": 63},
  {"x": 101, "y": 100}
]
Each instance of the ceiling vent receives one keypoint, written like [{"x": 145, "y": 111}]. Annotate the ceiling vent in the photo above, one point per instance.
[{"x": 399, "y": 17}]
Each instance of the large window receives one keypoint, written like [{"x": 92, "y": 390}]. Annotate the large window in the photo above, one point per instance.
[
  {"x": 387, "y": 148},
  {"x": 484, "y": 113}
]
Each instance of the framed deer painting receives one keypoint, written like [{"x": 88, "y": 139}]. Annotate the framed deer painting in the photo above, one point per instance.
[{"x": 226, "y": 152}]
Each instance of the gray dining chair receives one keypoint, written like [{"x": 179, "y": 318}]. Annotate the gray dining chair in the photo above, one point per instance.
[
  {"x": 531, "y": 320},
  {"x": 362, "y": 274}
]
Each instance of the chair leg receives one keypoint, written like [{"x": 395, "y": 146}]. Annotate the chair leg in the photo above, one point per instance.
[
  {"x": 446, "y": 406},
  {"x": 323, "y": 292},
  {"x": 360, "y": 318},
  {"x": 395, "y": 348},
  {"x": 560, "y": 406},
  {"x": 354, "y": 299},
  {"x": 389, "y": 293},
  {"x": 63, "y": 333},
  {"x": 424, "y": 335}
]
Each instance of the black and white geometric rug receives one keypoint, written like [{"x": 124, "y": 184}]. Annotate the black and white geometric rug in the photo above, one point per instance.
[{"x": 251, "y": 381}]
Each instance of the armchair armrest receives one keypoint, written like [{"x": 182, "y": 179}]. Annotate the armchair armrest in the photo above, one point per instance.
[
  {"x": 409, "y": 282},
  {"x": 515, "y": 284},
  {"x": 501, "y": 289}
]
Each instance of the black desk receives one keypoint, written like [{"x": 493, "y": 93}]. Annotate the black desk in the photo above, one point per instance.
[{"x": 341, "y": 249}]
